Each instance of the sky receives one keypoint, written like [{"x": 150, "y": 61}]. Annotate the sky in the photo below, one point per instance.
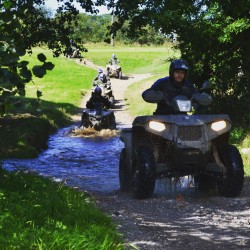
[{"x": 52, "y": 4}]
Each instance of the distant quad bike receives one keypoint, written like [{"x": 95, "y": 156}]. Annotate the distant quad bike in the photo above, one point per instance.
[
  {"x": 114, "y": 70},
  {"x": 159, "y": 146},
  {"x": 72, "y": 53},
  {"x": 98, "y": 118}
]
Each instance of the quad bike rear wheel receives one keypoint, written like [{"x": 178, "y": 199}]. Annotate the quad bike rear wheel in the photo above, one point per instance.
[
  {"x": 143, "y": 181},
  {"x": 112, "y": 101},
  {"x": 124, "y": 176},
  {"x": 232, "y": 183}
]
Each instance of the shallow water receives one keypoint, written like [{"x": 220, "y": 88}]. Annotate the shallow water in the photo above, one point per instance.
[
  {"x": 89, "y": 163},
  {"x": 88, "y": 160}
]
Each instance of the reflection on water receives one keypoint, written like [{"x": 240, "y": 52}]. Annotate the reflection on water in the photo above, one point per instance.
[{"x": 89, "y": 163}]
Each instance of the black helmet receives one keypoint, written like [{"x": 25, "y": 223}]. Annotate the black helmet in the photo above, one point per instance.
[
  {"x": 98, "y": 91},
  {"x": 178, "y": 64}
]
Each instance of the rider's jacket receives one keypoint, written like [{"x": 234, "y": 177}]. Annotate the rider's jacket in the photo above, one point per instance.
[
  {"x": 105, "y": 102},
  {"x": 170, "y": 90},
  {"x": 114, "y": 61}
]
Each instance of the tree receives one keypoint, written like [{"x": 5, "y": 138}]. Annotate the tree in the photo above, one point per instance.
[
  {"x": 91, "y": 28},
  {"x": 213, "y": 36},
  {"x": 24, "y": 24}
]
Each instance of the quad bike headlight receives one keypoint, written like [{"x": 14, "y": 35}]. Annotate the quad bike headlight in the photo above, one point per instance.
[
  {"x": 217, "y": 126},
  {"x": 158, "y": 126}
]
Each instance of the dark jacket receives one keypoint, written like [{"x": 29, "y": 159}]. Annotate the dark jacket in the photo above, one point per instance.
[
  {"x": 105, "y": 102},
  {"x": 165, "y": 90}
]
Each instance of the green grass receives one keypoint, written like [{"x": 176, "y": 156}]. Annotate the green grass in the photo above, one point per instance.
[
  {"x": 62, "y": 85},
  {"x": 134, "y": 59},
  {"x": 39, "y": 214}
]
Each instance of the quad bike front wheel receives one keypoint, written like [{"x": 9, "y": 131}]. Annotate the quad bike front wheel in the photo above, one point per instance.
[
  {"x": 120, "y": 75},
  {"x": 124, "y": 176},
  {"x": 143, "y": 181},
  {"x": 232, "y": 183}
]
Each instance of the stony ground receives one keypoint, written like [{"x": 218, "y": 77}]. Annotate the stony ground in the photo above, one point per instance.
[{"x": 177, "y": 216}]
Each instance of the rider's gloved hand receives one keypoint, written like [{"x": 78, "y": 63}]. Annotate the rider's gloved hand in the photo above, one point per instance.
[{"x": 203, "y": 99}]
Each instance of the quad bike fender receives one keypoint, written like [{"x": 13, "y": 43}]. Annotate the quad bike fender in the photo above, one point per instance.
[
  {"x": 152, "y": 96},
  {"x": 126, "y": 137}
]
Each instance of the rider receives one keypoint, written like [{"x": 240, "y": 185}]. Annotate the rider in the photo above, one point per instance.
[
  {"x": 113, "y": 60},
  {"x": 103, "y": 78},
  {"x": 97, "y": 97},
  {"x": 100, "y": 76},
  {"x": 169, "y": 87}
]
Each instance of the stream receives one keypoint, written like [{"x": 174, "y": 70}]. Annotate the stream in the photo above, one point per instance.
[{"x": 89, "y": 163}]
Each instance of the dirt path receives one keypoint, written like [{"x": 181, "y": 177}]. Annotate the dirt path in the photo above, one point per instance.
[
  {"x": 175, "y": 218},
  {"x": 119, "y": 86}
]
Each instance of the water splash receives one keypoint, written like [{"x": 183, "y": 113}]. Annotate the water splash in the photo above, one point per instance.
[{"x": 90, "y": 132}]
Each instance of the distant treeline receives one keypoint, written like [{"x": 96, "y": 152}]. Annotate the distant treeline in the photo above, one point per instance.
[{"x": 96, "y": 29}]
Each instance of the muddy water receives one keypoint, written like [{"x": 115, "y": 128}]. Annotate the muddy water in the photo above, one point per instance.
[
  {"x": 89, "y": 162},
  {"x": 86, "y": 159}
]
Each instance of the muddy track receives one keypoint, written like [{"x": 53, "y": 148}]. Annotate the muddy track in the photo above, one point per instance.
[{"x": 176, "y": 217}]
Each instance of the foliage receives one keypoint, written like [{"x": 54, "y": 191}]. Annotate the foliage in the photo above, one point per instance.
[
  {"x": 212, "y": 37},
  {"x": 23, "y": 25},
  {"x": 91, "y": 28},
  {"x": 37, "y": 213},
  {"x": 96, "y": 29}
]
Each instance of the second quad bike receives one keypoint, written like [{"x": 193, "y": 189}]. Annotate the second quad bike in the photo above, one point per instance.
[
  {"x": 98, "y": 118},
  {"x": 169, "y": 146},
  {"x": 114, "y": 70}
]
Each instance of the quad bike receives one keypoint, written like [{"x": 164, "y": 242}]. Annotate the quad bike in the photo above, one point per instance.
[
  {"x": 114, "y": 70},
  {"x": 98, "y": 118},
  {"x": 72, "y": 53},
  {"x": 106, "y": 90},
  {"x": 169, "y": 146}
]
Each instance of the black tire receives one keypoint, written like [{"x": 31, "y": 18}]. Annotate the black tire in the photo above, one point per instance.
[
  {"x": 124, "y": 177},
  {"x": 112, "y": 122},
  {"x": 143, "y": 176},
  {"x": 120, "y": 75},
  {"x": 205, "y": 183},
  {"x": 112, "y": 101},
  {"x": 231, "y": 184}
]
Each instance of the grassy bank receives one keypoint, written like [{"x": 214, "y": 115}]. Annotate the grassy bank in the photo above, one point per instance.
[
  {"x": 62, "y": 91},
  {"x": 39, "y": 214}
]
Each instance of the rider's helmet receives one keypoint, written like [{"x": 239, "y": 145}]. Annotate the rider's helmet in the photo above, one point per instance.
[
  {"x": 100, "y": 71},
  {"x": 98, "y": 92},
  {"x": 102, "y": 77},
  {"x": 114, "y": 56},
  {"x": 178, "y": 64}
]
